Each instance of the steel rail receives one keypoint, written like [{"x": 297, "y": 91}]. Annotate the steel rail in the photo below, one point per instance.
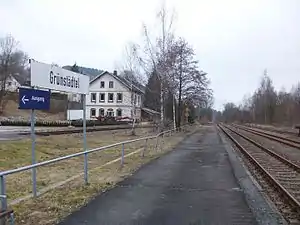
[
  {"x": 274, "y": 182},
  {"x": 270, "y": 152},
  {"x": 283, "y": 140}
]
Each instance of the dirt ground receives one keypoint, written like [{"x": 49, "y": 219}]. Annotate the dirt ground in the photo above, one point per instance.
[{"x": 11, "y": 110}]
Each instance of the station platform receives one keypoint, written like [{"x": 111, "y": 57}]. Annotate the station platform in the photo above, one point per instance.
[{"x": 193, "y": 184}]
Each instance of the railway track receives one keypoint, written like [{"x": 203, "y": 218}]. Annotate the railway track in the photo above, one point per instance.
[
  {"x": 286, "y": 132},
  {"x": 280, "y": 174},
  {"x": 80, "y": 130},
  {"x": 283, "y": 140}
]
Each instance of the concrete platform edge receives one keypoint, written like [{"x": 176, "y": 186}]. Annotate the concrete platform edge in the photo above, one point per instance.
[{"x": 262, "y": 209}]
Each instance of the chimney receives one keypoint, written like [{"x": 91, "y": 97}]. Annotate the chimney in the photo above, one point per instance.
[{"x": 115, "y": 73}]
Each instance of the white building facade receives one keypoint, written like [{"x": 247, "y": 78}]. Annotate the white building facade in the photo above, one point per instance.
[
  {"x": 11, "y": 84},
  {"x": 111, "y": 95}
]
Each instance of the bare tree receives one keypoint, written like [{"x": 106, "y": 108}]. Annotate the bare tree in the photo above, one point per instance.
[
  {"x": 132, "y": 74},
  {"x": 12, "y": 61},
  {"x": 171, "y": 69},
  {"x": 152, "y": 53},
  {"x": 267, "y": 106},
  {"x": 187, "y": 80}
]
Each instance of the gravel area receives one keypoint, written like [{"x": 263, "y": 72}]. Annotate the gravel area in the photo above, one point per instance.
[{"x": 287, "y": 131}]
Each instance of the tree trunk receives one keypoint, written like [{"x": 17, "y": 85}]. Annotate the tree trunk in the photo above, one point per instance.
[
  {"x": 161, "y": 107},
  {"x": 174, "y": 115},
  {"x": 133, "y": 126},
  {"x": 180, "y": 92},
  {"x": 134, "y": 118},
  {"x": 133, "y": 109}
]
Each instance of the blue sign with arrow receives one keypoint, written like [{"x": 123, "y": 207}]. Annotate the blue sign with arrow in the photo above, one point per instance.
[{"x": 34, "y": 99}]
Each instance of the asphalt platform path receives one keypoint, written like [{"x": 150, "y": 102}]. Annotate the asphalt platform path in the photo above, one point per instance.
[{"x": 194, "y": 184}]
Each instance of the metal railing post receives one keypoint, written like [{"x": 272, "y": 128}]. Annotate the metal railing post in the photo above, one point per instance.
[
  {"x": 122, "y": 155},
  {"x": 145, "y": 148},
  {"x": 85, "y": 166},
  {"x": 156, "y": 142},
  {"x": 33, "y": 160},
  {"x": 162, "y": 142},
  {"x": 12, "y": 220},
  {"x": 3, "y": 193}
]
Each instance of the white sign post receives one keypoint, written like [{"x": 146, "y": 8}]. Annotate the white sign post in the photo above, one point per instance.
[{"x": 55, "y": 78}]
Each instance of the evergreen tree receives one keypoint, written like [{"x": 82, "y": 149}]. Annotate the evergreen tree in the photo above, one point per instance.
[
  {"x": 75, "y": 68},
  {"x": 152, "y": 93}
]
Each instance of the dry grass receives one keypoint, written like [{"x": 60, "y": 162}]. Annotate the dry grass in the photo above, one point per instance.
[
  {"x": 54, "y": 205},
  {"x": 18, "y": 153}
]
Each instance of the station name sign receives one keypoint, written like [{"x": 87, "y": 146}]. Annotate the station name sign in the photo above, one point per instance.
[
  {"x": 67, "y": 81},
  {"x": 53, "y": 77}
]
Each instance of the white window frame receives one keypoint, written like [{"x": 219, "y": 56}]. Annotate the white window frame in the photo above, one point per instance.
[
  {"x": 100, "y": 97},
  {"x": 119, "y": 94},
  {"x": 138, "y": 100},
  {"x": 93, "y": 109},
  {"x": 100, "y": 114},
  {"x": 110, "y": 111},
  {"x": 108, "y": 99},
  {"x": 93, "y": 94},
  {"x": 135, "y": 99},
  {"x": 111, "y": 84},
  {"x": 118, "y": 110}
]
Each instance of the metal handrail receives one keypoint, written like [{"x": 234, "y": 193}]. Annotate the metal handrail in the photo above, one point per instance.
[
  {"x": 44, "y": 163},
  {"x": 3, "y": 174}
]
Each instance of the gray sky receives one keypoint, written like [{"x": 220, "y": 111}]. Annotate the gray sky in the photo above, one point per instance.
[{"x": 234, "y": 40}]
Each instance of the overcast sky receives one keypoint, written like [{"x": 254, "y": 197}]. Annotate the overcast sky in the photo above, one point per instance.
[{"x": 234, "y": 40}]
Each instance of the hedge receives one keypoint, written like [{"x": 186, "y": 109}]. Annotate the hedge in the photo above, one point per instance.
[
  {"x": 37, "y": 123},
  {"x": 75, "y": 123},
  {"x": 91, "y": 123}
]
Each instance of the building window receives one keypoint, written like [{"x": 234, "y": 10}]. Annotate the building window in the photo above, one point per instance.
[
  {"x": 110, "y": 97},
  {"x": 134, "y": 99},
  {"x": 93, "y": 112},
  {"x": 119, "y": 97},
  {"x": 9, "y": 83},
  {"x": 102, "y": 97},
  {"x": 93, "y": 97},
  {"x": 101, "y": 112},
  {"x": 119, "y": 112},
  {"x": 102, "y": 84},
  {"x": 138, "y": 99},
  {"x": 111, "y": 84},
  {"x": 110, "y": 112}
]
